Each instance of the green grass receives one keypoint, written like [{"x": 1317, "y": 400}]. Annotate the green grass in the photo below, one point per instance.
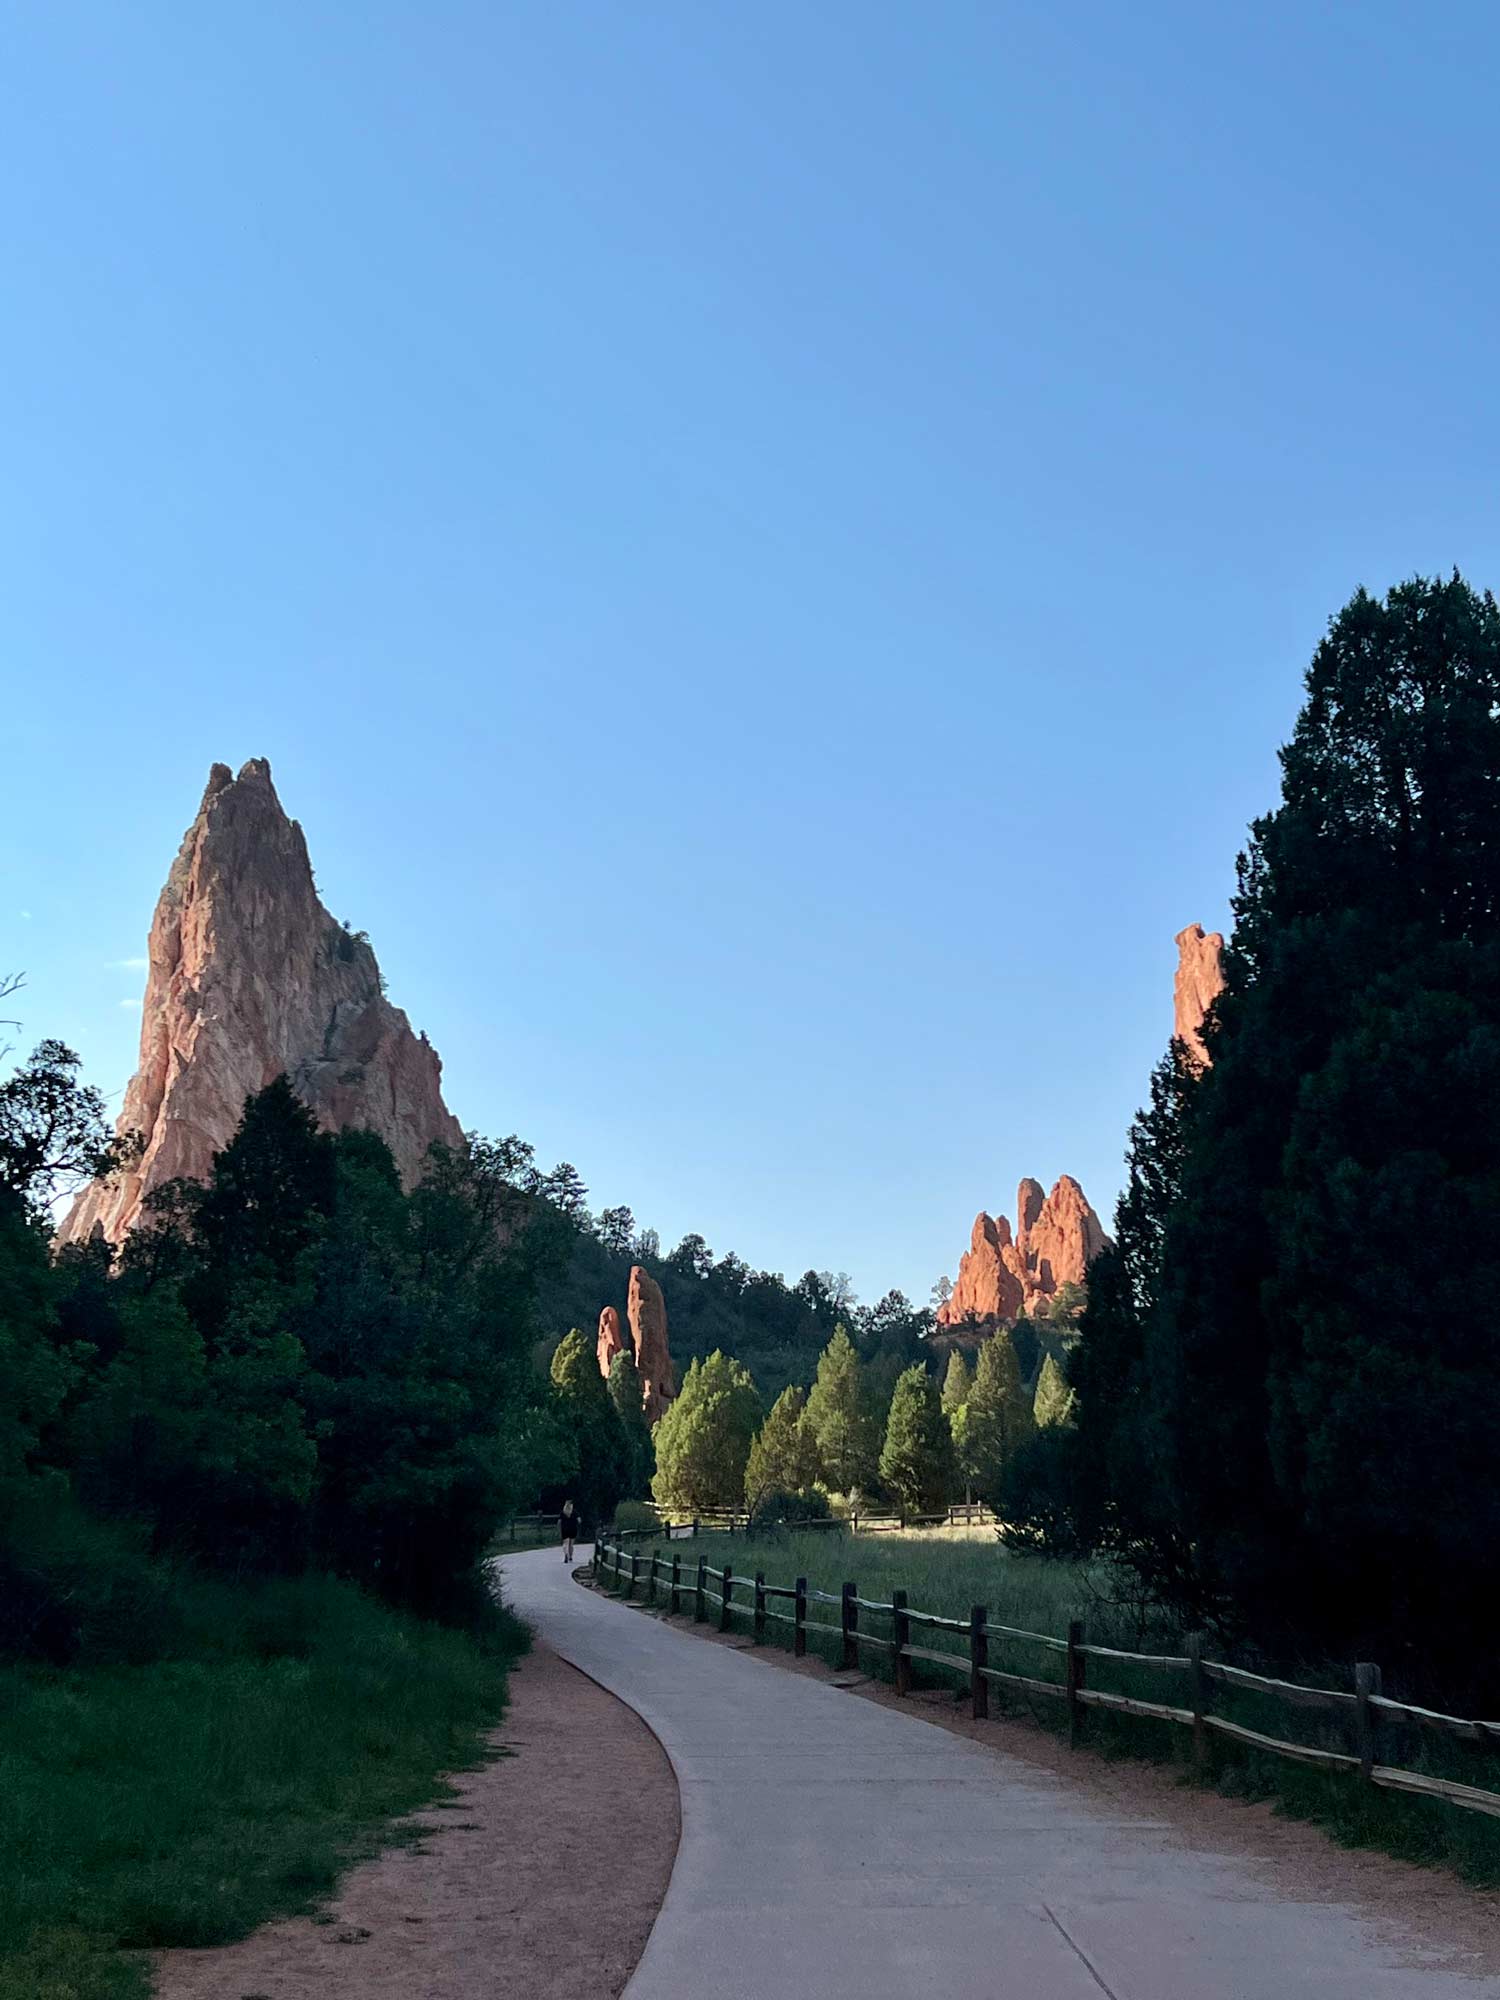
[
  {"x": 950, "y": 1571},
  {"x": 185, "y": 1799}
]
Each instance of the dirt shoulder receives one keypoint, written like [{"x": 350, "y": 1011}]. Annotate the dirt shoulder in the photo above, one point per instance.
[
  {"x": 538, "y": 1879},
  {"x": 1428, "y": 1916}
]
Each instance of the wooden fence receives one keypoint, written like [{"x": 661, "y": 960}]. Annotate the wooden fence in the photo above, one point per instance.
[
  {"x": 622, "y": 1563},
  {"x": 730, "y": 1521}
]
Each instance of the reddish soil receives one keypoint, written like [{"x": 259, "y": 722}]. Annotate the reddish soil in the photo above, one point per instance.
[{"x": 538, "y": 1879}]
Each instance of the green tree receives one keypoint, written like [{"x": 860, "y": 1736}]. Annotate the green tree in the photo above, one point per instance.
[
  {"x": 916, "y": 1461},
  {"x": 627, "y": 1396},
  {"x": 996, "y": 1421},
  {"x": 604, "y": 1467},
  {"x": 1287, "y": 1375},
  {"x": 845, "y": 1428},
  {"x": 1053, "y": 1401},
  {"x": 784, "y": 1456},
  {"x": 703, "y": 1441},
  {"x": 53, "y": 1132},
  {"x": 957, "y": 1382}
]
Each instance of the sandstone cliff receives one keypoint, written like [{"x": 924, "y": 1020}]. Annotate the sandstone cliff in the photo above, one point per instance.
[
  {"x": 1001, "y": 1276},
  {"x": 647, "y": 1312},
  {"x": 249, "y": 977},
  {"x": 1198, "y": 983}
]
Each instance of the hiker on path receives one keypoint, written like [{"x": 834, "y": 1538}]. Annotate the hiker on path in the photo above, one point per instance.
[{"x": 569, "y": 1526}]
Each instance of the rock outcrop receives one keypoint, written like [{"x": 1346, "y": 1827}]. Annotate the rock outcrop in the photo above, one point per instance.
[
  {"x": 1001, "y": 1276},
  {"x": 647, "y": 1312},
  {"x": 1199, "y": 982},
  {"x": 251, "y": 977},
  {"x": 611, "y": 1340}
]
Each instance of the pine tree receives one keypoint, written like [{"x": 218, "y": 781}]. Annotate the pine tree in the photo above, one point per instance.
[
  {"x": 839, "y": 1415},
  {"x": 604, "y": 1466},
  {"x": 1053, "y": 1402},
  {"x": 996, "y": 1421},
  {"x": 1287, "y": 1373},
  {"x": 957, "y": 1382},
  {"x": 628, "y": 1397},
  {"x": 916, "y": 1461},
  {"x": 703, "y": 1441},
  {"x": 784, "y": 1456}
]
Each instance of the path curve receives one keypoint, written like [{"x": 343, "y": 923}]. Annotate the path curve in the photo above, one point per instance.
[{"x": 836, "y": 1847}]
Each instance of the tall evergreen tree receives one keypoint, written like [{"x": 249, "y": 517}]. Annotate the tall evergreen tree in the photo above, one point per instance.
[
  {"x": 1053, "y": 1401},
  {"x": 626, "y": 1394},
  {"x": 841, "y": 1420},
  {"x": 784, "y": 1456},
  {"x": 604, "y": 1466},
  {"x": 703, "y": 1441},
  {"x": 996, "y": 1421},
  {"x": 1289, "y": 1377},
  {"x": 957, "y": 1382},
  {"x": 916, "y": 1460}
]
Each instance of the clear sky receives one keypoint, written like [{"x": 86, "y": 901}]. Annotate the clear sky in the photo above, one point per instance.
[{"x": 769, "y": 546}]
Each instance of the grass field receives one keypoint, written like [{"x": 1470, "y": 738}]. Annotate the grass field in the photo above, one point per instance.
[
  {"x": 184, "y": 1799},
  {"x": 948, "y": 1571}
]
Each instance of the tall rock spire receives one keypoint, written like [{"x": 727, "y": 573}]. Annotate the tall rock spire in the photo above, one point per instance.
[
  {"x": 1001, "y": 1276},
  {"x": 1198, "y": 983},
  {"x": 251, "y": 977}
]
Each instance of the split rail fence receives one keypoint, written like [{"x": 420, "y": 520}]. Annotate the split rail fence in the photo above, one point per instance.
[{"x": 724, "y": 1594}]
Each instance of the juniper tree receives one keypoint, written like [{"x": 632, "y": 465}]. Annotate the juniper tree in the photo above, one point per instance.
[
  {"x": 916, "y": 1460},
  {"x": 784, "y": 1456},
  {"x": 1053, "y": 1401},
  {"x": 957, "y": 1382},
  {"x": 703, "y": 1441},
  {"x": 996, "y": 1420},
  {"x": 841, "y": 1420}
]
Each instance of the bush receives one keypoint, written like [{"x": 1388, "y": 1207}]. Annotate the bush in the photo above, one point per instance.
[
  {"x": 785, "y": 1508},
  {"x": 635, "y": 1516}
]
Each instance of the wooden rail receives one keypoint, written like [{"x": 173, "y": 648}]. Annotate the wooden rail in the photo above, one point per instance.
[{"x": 624, "y": 1568}]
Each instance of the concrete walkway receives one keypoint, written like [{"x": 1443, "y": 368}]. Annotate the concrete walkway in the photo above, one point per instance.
[{"x": 836, "y": 1849}]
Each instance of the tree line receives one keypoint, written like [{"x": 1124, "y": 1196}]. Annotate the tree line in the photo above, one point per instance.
[{"x": 1288, "y": 1371}]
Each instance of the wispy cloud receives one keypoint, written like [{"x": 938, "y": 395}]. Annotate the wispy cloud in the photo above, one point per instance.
[
  {"x": 25, "y": 916},
  {"x": 127, "y": 964},
  {"x": 133, "y": 1005}
]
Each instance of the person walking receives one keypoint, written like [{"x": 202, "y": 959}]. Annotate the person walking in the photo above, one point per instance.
[{"x": 569, "y": 1526}]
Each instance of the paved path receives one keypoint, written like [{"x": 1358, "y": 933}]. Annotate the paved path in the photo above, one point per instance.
[{"x": 835, "y": 1848}]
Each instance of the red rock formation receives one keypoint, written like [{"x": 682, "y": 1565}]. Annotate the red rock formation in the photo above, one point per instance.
[
  {"x": 647, "y": 1313},
  {"x": 249, "y": 977},
  {"x": 1001, "y": 1276},
  {"x": 611, "y": 1340},
  {"x": 1062, "y": 1241},
  {"x": 987, "y": 1289},
  {"x": 1199, "y": 982}
]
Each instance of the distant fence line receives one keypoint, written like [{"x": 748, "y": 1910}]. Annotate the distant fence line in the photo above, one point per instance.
[
  {"x": 735, "y": 1520},
  {"x": 627, "y": 1566}
]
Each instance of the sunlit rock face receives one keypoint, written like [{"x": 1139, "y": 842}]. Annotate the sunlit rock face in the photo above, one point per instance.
[
  {"x": 251, "y": 977},
  {"x": 1198, "y": 983},
  {"x": 611, "y": 1340},
  {"x": 647, "y": 1313},
  {"x": 1003, "y": 1274}
]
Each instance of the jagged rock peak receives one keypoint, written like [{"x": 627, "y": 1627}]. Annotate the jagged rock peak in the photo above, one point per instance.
[
  {"x": 611, "y": 1340},
  {"x": 646, "y": 1310},
  {"x": 1001, "y": 1276},
  {"x": 1198, "y": 983},
  {"x": 251, "y": 977}
]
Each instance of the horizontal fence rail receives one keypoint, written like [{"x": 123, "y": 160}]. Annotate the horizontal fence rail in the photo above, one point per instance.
[{"x": 621, "y": 1564}]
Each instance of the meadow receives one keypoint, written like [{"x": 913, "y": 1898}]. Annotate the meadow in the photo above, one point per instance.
[{"x": 223, "y": 1756}]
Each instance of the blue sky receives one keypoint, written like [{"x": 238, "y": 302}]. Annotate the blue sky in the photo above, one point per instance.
[{"x": 770, "y": 547}]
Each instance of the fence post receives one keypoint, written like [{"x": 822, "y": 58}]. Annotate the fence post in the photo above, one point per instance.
[
  {"x": 1076, "y": 1676},
  {"x": 799, "y": 1618},
  {"x": 695, "y": 1527},
  {"x": 759, "y": 1627},
  {"x": 1366, "y": 1683},
  {"x": 673, "y": 1600},
  {"x": 1198, "y": 1695},
  {"x": 651, "y": 1577},
  {"x": 700, "y": 1595},
  {"x": 724, "y": 1604},
  {"x": 979, "y": 1659},
  {"x": 635, "y": 1570},
  {"x": 849, "y": 1629},
  {"x": 901, "y": 1637}
]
